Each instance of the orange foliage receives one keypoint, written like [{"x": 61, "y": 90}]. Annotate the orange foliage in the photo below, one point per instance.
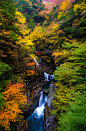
[
  {"x": 30, "y": 72},
  {"x": 60, "y": 32},
  {"x": 65, "y": 5},
  {"x": 31, "y": 64},
  {"x": 14, "y": 98}
]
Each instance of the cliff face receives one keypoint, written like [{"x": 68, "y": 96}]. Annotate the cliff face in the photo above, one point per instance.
[{"x": 50, "y": 121}]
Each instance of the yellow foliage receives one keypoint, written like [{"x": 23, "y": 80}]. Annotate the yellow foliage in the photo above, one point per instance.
[
  {"x": 13, "y": 99},
  {"x": 60, "y": 15},
  {"x": 80, "y": 7},
  {"x": 4, "y": 33},
  {"x": 29, "y": 2},
  {"x": 47, "y": 17},
  {"x": 38, "y": 37},
  {"x": 36, "y": 34},
  {"x": 56, "y": 54},
  {"x": 63, "y": 7},
  {"x": 24, "y": 41},
  {"x": 33, "y": 56},
  {"x": 55, "y": 27},
  {"x": 21, "y": 23},
  {"x": 21, "y": 19},
  {"x": 0, "y": 23},
  {"x": 56, "y": 84}
]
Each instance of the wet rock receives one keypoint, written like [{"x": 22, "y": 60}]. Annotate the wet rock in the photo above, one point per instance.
[
  {"x": 50, "y": 120},
  {"x": 50, "y": 124},
  {"x": 32, "y": 100},
  {"x": 23, "y": 126},
  {"x": 34, "y": 87},
  {"x": 50, "y": 95},
  {"x": 46, "y": 91},
  {"x": 32, "y": 105}
]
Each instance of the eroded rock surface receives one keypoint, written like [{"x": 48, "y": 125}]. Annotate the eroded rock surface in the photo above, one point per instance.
[{"x": 50, "y": 120}]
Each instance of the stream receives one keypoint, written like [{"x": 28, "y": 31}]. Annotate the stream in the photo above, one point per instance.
[{"x": 37, "y": 118}]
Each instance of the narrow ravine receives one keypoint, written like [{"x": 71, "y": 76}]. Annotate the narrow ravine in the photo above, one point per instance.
[{"x": 36, "y": 120}]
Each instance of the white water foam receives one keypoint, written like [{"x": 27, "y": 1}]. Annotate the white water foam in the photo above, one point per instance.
[
  {"x": 36, "y": 62},
  {"x": 42, "y": 102},
  {"x": 41, "y": 99},
  {"x": 40, "y": 110},
  {"x": 48, "y": 76}
]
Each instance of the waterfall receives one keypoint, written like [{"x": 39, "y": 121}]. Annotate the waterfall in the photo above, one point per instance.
[
  {"x": 51, "y": 77},
  {"x": 36, "y": 62},
  {"x": 48, "y": 76},
  {"x": 41, "y": 99},
  {"x": 37, "y": 117}
]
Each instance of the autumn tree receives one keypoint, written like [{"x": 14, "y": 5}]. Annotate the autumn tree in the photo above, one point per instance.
[
  {"x": 8, "y": 32},
  {"x": 13, "y": 29},
  {"x": 54, "y": 36},
  {"x": 5, "y": 75},
  {"x": 71, "y": 88},
  {"x": 14, "y": 99},
  {"x": 64, "y": 6},
  {"x": 23, "y": 39},
  {"x": 74, "y": 24},
  {"x": 79, "y": 10},
  {"x": 30, "y": 10},
  {"x": 38, "y": 37}
]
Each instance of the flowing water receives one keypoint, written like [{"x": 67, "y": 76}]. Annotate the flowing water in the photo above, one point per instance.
[
  {"x": 36, "y": 62},
  {"x": 37, "y": 117},
  {"x": 48, "y": 77}
]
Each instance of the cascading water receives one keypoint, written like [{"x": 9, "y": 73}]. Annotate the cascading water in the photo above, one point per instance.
[
  {"x": 36, "y": 62},
  {"x": 48, "y": 76},
  {"x": 51, "y": 77},
  {"x": 37, "y": 117},
  {"x": 41, "y": 99}
]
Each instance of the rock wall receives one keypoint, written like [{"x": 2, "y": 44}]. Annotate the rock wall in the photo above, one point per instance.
[
  {"x": 50, "y": 121},
  {"x": 33, "y": 94},
  {"x": 33, "y": 90}
]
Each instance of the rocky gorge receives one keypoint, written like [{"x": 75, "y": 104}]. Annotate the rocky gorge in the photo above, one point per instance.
[{"x": 44, "y": 82}]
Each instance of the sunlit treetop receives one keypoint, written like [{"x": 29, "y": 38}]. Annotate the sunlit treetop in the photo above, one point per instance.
[
  {"x": 79, "y": 7},
  {"x": 21, "y": 23},
  {"x": 21, "y": 19},
  {"x": 64, "y": 6}
]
